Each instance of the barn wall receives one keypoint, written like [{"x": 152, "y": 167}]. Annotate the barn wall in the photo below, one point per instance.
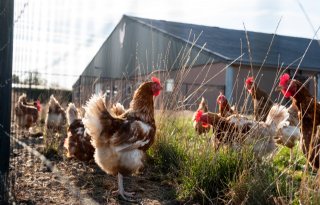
[{"x": 192, "y": 84}]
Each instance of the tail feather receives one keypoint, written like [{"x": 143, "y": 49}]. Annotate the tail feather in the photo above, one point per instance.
[
  {"x": 22, "y": 107},
  {"x": 72, "y": 113},
  {"x": 92, "y": 118},
  {"x": 279, "y": 115},
  {"x": 118, "y": 109},
  {"x": 203, "y": 105},
  {"x": 22, "y": 98},
  {"x": 99, "y": 124},
  {"x": 52, "y": 100}
]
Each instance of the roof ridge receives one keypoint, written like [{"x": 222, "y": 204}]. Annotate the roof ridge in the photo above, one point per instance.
[
  {"x": 137, "y": 19},
  {"x": 140, "y": 19}
]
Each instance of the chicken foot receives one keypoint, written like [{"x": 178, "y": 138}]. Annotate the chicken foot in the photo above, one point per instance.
[{"x": 121, "y": 190}]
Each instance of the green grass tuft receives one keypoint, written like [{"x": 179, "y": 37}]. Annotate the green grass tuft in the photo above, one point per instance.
[{"x": 205, "y": 175}]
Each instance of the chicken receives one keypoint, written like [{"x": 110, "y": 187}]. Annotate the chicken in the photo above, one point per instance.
[
  {"x": 309, "y": 117},
  {"x": 227, "y": 130},
  {"x": 289, "y": 134},
  {"x": 26, "y": 114},
  {"x": 120, "y": 142},
  {"x": 56, "y": 116},
  {"x": 225, "y": 109},
  {"x": 239, "y": 129},
  {"x": 261, "y": 101},
  {"x": 198, "y": 125},
  {"x": 77, "y": 143}
]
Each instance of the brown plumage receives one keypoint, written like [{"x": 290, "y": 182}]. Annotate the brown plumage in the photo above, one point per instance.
[
  {"x": 261, "y": 101},
  {"x": 56, "y": 116},
  {"x": 227, "y": 130},
  {"x": 117, "y": 109},
  {"x": 237, "y": 129},
  {"x": 309, "y": 117},
  {"x": 198, "y": 125},
  {"x": 77, "y": 143},
  {"x": 26, "y": 113},
  {"x": 225, "y": 109},
  {"x": 120, "y": 142}
]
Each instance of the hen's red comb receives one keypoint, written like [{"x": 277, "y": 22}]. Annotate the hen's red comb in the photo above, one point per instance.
[
  {"x": 249, "y": 80},
  {"x": 284, "y": 79},
  {"x": 156, "y": 80},
  {"x": 198, "y": 115}
]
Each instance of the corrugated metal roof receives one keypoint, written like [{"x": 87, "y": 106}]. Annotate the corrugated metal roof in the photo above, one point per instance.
[{"x": 229, "y": 44}]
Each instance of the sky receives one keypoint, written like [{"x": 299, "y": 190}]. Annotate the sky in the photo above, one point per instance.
[{"x": 58, "y": 38}]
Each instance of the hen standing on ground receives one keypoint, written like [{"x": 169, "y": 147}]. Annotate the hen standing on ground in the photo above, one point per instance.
[
  {"x": 26, "y": 114},
  {"x": 56, "y": 116},
  {"x": 261, "y": 101},
  {"x": 309, "y": 117},
  {"x": 77, "y": 143},
  {"x": 120, "y": 142}
]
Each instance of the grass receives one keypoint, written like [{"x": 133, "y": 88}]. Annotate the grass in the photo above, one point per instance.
[
  {"x": 224, "y": 176},
  {"x": 53, "y": 142}
]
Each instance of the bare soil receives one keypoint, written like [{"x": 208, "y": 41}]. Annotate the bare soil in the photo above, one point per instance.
[{"x": 78, "y": 182}]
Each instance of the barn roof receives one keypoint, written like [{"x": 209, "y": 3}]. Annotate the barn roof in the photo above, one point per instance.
[
  {"x": 221, "y": 45},
  {"x": 229, "y": 44}
]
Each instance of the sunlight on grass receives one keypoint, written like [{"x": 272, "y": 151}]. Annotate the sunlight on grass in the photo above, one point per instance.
[{"x": 225, "y": 175}]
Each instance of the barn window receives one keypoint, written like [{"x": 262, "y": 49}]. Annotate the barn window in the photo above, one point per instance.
[
  {"x": 169, "y": 85},
  {"x": 115, "y": 90},
  {"x": 129, "y": 89},
  {"x": 97, "y": 88}
]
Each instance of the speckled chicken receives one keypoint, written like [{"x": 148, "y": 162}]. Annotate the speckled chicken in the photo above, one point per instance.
[
  {"x": 120, "y": 142},
  {"x": 26, "y": 113},
  {"x": 239, "y": 129},
  {"x": 77, "y": 143}
]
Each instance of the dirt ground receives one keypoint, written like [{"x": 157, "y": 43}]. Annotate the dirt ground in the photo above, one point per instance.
[{"x": 77, "y": 182}]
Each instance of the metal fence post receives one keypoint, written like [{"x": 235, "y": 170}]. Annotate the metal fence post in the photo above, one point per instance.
[{"x": 6, "y": 43}]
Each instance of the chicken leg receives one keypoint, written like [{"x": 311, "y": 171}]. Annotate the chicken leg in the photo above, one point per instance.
[{"x": 121, "y": 191}]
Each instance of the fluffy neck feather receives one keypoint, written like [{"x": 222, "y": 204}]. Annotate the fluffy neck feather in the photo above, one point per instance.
[{"x": 142, "y": 105}]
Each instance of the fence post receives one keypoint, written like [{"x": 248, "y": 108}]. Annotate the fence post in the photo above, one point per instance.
[{"x": 6, "y": 43}]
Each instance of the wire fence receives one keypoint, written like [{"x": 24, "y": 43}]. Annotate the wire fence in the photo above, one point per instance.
[{"x": 47, "y": 53}]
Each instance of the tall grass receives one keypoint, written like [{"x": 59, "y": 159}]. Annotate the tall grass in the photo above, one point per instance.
[
  {"x": 204, "y": 174},
  {"x": 222, "y": 176}
]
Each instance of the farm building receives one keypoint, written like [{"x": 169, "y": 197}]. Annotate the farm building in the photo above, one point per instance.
[{"x": 188, "y": 56}]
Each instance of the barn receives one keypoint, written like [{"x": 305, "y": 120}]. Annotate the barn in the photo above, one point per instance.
[{"x": 193, "y": 61}]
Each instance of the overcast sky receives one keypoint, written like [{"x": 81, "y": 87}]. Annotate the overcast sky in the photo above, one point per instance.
[{"x": 60, "y": 37}]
